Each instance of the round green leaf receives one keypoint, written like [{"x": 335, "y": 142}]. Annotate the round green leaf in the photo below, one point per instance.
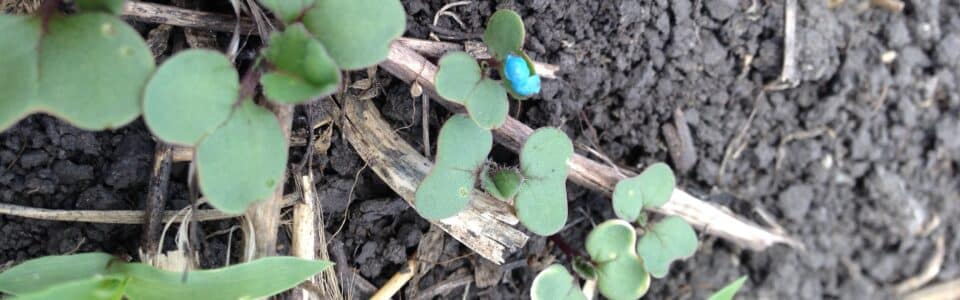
[
  {"x": 242, "y": 161},
  {"x": 487, "y": 104},
  {"x": 357, "y": 33},
  {"x": 459, "y": 73},
  {"x": 19, "y": 37},
  {"x": 670, "y": 239},
  {"x": 288, "y": 10},
  {"x": 444, "y": 193},
  {"x": 610, "y": 240},
  {"x": 93, "y": 68},
  {"x": 623, "y": 278},
  {"x": 462, "y": 147},
  {"x": 304, "y": 70},
  {"x": 545, "y": 154},
  {"x": 253, "y": 280},
  {"x": 555, "y": 283},
  {"x": 652, "y": 188},
  {"x": 505, "y": 33},
  {"x": 190, "y": 95},
  {"x": 727, "y": 292},
  {"x": 541, "y": 205}
]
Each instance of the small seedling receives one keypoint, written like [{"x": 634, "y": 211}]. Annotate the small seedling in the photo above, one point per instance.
[
  {"x": 666, "y": 241},
  {"x": 541, "y": 202},
  {"x": 101, "y": 276},
  {"x": 622, "y": 265},
  {"x": 462, "y": 148},
  {"x": 538, "y": 187},
  {"x": 193, "y": 100},
  {"x": 652, "y": 188},
  {"x": 461, "y": 79}
]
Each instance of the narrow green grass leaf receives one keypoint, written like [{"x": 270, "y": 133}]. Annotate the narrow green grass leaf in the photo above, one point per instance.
[
  {"x": 257, "y": 279},
  {"x": 729, "y": 291},
  {"x": 41, "y": 273}
]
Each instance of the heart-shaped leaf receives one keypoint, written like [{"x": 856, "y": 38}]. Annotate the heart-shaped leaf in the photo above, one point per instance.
[
  {"x": 356, "y": 33},
  {"x": 623, "y": 278},
  {"x": 458, "y": 74},
  {"x": 304, "y": 71},
  {"x": 288, "y": 11},
  {"x": 19, "y": 37},
  {"x": 652, "y": 188},
  {"x": 107, "y": 6},
  {"x": 253, "y": 280},
  {"x": 242, "y": 161},
  {"x": 555, "y": 283},
  {"x": 38, "y": 274},
  {"x": 93, "y": 68},
  {"x": 727, "y": 292},
  {"x": 487, "y": 104},
  {"x": 459, "y": 80},
  {"x": 190, "y": 95},
  {"x": 505, "y": 33},
  {"x": 462, "y": 147},
  {"x": 541, "y": 203},
  {"x": 670, "y": 239},
  {"x": 610, "y": 240},
  {"x": 502, "y": 184}
]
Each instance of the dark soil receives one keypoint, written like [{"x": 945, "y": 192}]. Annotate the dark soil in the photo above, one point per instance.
[{"x": 854, "y": 161}]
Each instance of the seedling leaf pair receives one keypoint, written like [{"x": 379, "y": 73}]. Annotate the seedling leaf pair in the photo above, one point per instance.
[
  {"x": 462, "y": 148},
  {"x": 620, "y": 272},
  {"x": 100, "y": 276},
  {"x": 89, "y": 69},
  {"x": 652, "y": 188},
  {"x": 460, "y": 80},
  {"x": 241, "y": 153},
  {"x": 541, "y": 203},
  {"x": 555, "y": 283}
]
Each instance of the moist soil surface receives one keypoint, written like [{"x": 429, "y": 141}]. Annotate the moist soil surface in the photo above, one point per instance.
[{"x": 856, "y": 161}]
